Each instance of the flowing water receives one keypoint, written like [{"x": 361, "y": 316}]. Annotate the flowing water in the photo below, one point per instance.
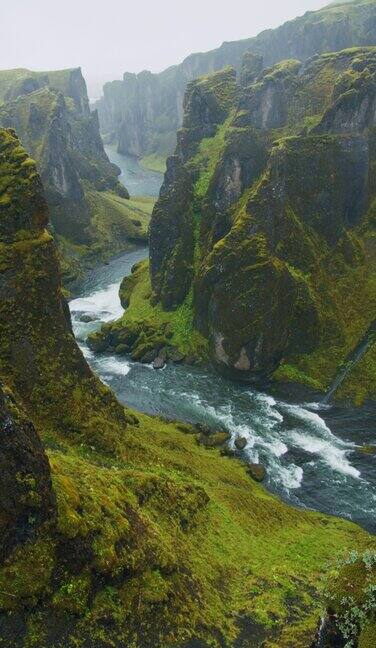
[
  {"x": 138, "y": 181},
  {"x": 312, "y": 452}
]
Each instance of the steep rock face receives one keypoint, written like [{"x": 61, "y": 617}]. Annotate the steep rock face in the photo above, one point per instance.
[
  {"x": 253, "y": 275},
  {"x": 32, "y": 306},
  {"x": 142, "y": 112},
  {"x": 206, "y": 105},
  {"x": 172, "y": 237},
  {"x": 354, "y": 106},
  {"x": 266, "y": 100},
  {"x": 50, "y": 113},
  {"x": 283, "y": 227},
  {"x": 26, "y": 497}
]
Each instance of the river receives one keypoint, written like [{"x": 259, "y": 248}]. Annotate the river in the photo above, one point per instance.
[
  {"x": 312, "y": 452},
  {"x": 138, "y": 181}
]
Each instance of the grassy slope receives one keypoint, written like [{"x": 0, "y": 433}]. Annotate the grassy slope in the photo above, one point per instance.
[
  {"x": 185, "y": 337},
  {"x": 205, "y": 532},
  {"x": 10, "y": 79}
]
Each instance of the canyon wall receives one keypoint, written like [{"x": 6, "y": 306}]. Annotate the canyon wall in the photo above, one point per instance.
[
  {"x": 51, "y": 116},
  {"x": 142, "y": 112},
  {"x": 262, "y": 240}
]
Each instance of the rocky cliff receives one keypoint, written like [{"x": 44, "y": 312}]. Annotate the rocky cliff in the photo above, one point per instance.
[
  {"x": 50, "y": 113},
  {"x": 110, "y": 536},
  {"x": 262, "y": 241},
  {"x": 142, "y": 112}
]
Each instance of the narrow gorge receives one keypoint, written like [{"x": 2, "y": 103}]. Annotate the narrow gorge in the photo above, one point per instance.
[{"x": 187, "y": 337}]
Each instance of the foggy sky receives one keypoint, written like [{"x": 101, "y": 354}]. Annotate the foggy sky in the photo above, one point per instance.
[{"x": 109, "y": 37}]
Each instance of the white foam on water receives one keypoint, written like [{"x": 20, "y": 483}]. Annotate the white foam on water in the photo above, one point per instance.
[
  {"x": 111, "y": 365},
  {"x": 333, "y": 456},
  {"x": 252, "y": 455},
  {"x": 316, "y": 438},
  {"x": 269, "y": 404},
  {"x": 87, "y": 353},
  {"x": 290, "y": 476},
  {"x": 317, "y": 425},
  {"x": 317, "y": 407},
  {"x": 307, "y": 416},
  {"x": 104, "y": 303},
  {"x": 277, "y": 448}
]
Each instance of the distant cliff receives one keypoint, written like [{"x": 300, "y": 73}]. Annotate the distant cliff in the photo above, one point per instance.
[
  {"x": 50, "y": 114},
  {"x": 142, "y": 112}
]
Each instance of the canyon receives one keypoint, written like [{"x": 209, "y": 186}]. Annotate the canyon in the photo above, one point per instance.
[{"x": 146, "y": 392}]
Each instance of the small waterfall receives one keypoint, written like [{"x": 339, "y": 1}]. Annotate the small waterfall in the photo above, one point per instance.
[{"x": 352, "y": 359}]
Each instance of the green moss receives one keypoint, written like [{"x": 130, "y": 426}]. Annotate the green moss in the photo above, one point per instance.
[
  {"x": 25, "y": 578},
  {"x": 351, "y": 595},
  {"x": 141, "y": 317},
  {"x": 73, "y": 595},
  {"x": 163, "y": 533},
  {"x": 206, "y": 159},
  {"x": 118, "y": 221},
  {"x": 289, "y": 373}
]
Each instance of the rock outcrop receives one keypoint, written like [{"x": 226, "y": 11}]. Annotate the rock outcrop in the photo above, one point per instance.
[
  {"x": 36, "y": 339},
  {"x": 276, "y": 233},
  {"x": 26, "y": 497},
  {"x": 142, "y": 112},
  {"x": 50, "y": 113}
]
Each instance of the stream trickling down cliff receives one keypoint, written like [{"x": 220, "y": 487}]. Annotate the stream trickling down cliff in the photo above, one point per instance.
[{"x": 312, "y": 452}]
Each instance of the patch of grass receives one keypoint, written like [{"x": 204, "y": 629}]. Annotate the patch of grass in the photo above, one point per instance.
[{"x": 207, "y": 158}]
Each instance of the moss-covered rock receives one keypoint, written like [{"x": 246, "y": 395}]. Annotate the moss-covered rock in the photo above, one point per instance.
[
  {"x": 26, "y": 497},
  {"x": 172, "y": 238},
  {"x": 50, "y": 113},
  {"x": 33, "y": 351},
  {"x": 276, "y": 235}
]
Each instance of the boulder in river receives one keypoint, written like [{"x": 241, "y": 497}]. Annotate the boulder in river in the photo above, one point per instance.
[
  {"x": 240, "y": 443},
  {"x": 159, "y": 363},
  {"x": 257, "y": 471},
  {"x": 149, "y": 356},
  {"x": 88, "y": 318}
]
